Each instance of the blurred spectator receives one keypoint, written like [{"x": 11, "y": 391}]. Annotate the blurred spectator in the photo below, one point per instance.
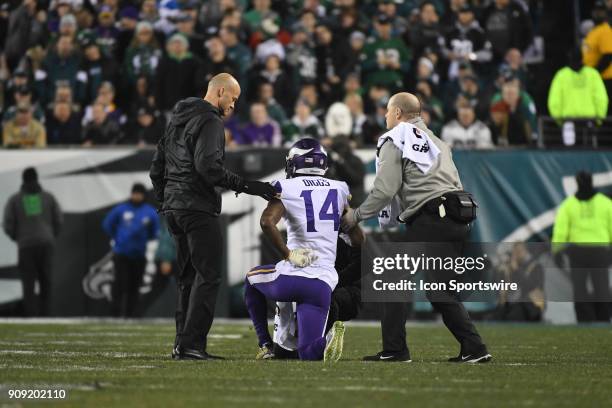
[
  {"x": 217, "y": 61},
  {"x": 526, "y": 304},
  {"x": 426, "y": 33},
  {"x": 467, "y": 132},
  {"x": 597, "y": 46},
  {"x": 583, "y": 230},
  {"x": 63, "y": 125},
  {"x": 261, "y": 130},
  {"x": 143, "y": 54},
  {"x": 469, "y": 92},
  {"x": 23, "y": 95},
  {"x": 507, "y": 25},
  {"x": 309, "y": 93},
  {"x": 513, "y": 63},
  {"x": 130, "y": 225},
  {"x": 165, "y": 263},
  {"x": 95, "y": 69},
  {"x": 25, "y": 29},
  {"x": 303, "y": 124},
  {"x": 510, "y": 117},
  {"x": 149, "y": 12},
  {"x": 271, "y": 45},
  {"x": 238, "y": 53},
  {"x": 332, "y": 58},
  {"x": 466, "y": 41},
  {"x": 63, "y": 93},
  {"x": 185, "y": 25},
  {"x": 577, "y": 91},
  {"x": 67, "y": 27},
  {"x": 344, "y": 165},
  {"x": 426, "y": 71},
  {"x": 451, "y": 14},
  {"x": 301, "y": 57},
  {"x": 356, "y": 43},
  {"x": 24, "y": 130},
  {"x": 424, "y": 91},
  {"x": 102, "y": 129},
  {"x": 147, "y": 129},
  {"x": 338, "y": 121},
  {"x": 390, "y": 8},
  {"x": 61, "y": 64},
  {"x": 33, "y": 219},
  {"x": 273, "y": 73},
  {"x": 359, "y": 119},
  {"x": 106, "y": 97},
  {"x": 266, "y": 96},
  {"x": 376, "y": 124},
  {"x": 387, "y": 59},
  {"x": 19, "y": 79},
  {"x": 142, "y": 95},
  {"x": 107, "y": 33},
  {"x": 352, "y": 84},
  {"x": 177, "y": 74},
  {"x": 260, "y": 13},
  {"x": 526, "y": 102}
]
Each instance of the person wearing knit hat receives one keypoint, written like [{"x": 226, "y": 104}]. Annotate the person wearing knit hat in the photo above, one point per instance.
[
  {"x": 33, "y": 219},
  {"x": 130, "y": 225}
]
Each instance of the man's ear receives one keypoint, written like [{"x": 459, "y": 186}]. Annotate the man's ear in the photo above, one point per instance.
[{"x": 221, "y": 91}]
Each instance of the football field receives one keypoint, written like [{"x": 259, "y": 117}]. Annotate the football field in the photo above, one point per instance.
[{"x": 106, "y": 363}]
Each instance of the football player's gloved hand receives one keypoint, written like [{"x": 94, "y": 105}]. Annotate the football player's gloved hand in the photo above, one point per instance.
[
  {"x": 302, "y": 257},
  {"x": 259, "y": 188}
]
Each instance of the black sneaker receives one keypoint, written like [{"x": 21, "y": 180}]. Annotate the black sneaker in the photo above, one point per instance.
[
  {"x": 481, "y": 357},
  {"x": 175, "y": 352},
  {"x": 213, "y": 357},
  {"x": 402, "y": 356}
]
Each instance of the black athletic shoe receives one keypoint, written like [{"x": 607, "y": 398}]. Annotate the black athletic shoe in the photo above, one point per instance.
[
  {"x": 175, "y": 353},
  {"x": 213, "y": 357},
  {"x": 403, "y": 356},
  {"x": 481, "y": 357}
]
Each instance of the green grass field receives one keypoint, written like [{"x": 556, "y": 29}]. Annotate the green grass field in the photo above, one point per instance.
[{"x": 128, "y": 364}]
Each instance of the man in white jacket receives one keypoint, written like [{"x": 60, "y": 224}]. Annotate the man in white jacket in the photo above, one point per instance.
[{"x": 467, "y": 132}]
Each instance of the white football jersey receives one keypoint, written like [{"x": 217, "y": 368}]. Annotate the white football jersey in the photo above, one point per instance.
[{"x": 313, "y": 210}]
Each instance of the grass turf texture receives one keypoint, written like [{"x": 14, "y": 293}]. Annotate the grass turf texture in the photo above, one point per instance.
[{"x": 128, "y": 364}]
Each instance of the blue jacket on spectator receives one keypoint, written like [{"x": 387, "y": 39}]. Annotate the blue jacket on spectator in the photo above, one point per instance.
[{"x": 131, "y": 227}]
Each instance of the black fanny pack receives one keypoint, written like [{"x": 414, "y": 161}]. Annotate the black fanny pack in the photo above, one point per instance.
[{"x": 460, "y": 206}]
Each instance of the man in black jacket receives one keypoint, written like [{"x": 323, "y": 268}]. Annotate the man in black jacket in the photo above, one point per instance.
[{"x": 186, "y": 171}]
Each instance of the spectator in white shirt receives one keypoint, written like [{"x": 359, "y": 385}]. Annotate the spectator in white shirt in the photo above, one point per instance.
[{"x": 466, "y": 132}]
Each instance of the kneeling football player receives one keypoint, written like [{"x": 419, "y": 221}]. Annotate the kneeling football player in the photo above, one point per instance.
[{"x": 311, "y": 207}]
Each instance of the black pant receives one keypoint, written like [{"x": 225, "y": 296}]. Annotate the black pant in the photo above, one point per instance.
[
  {"x": 590, "y": 263},
  {"x": 125, "y": 290},
  {"x": 199, "y": 244},
  {"x": 34, "y": 265},
  {"x": 431, "y": 228}
]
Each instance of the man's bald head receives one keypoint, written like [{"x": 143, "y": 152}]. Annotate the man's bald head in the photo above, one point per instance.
[
  {"x": 223, "y": 80},
  {"x": 223, "y": 92},
  {"x": 408, "y": 103},
  {"x": 401, "y": 107}
]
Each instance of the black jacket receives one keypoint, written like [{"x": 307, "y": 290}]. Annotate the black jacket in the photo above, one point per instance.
[{"x": 188, "y": 167}]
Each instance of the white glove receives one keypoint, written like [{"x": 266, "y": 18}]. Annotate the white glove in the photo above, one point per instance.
[{"x": 301, "y": 257}]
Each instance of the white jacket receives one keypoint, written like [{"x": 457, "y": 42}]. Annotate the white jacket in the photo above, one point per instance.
[{"x": 476, "y": 136}]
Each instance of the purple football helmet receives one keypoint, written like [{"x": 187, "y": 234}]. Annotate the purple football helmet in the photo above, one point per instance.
[{"x": 307, "y": 157}]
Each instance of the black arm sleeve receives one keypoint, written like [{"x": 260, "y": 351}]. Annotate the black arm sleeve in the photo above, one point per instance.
[
  {"x": 208, "y": 157},
  {"x": 158, "y": 170}
]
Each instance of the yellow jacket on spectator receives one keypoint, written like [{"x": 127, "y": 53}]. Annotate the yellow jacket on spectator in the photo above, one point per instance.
[
  {"x": 580, "y": 94},
  {"x": 597, "y": 44},
  {"x": 31, "y": 135},
  {"x": 584, "y": 221}
]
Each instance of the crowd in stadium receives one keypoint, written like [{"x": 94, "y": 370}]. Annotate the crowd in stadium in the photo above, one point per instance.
[{"x": 106, "y": 72}]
